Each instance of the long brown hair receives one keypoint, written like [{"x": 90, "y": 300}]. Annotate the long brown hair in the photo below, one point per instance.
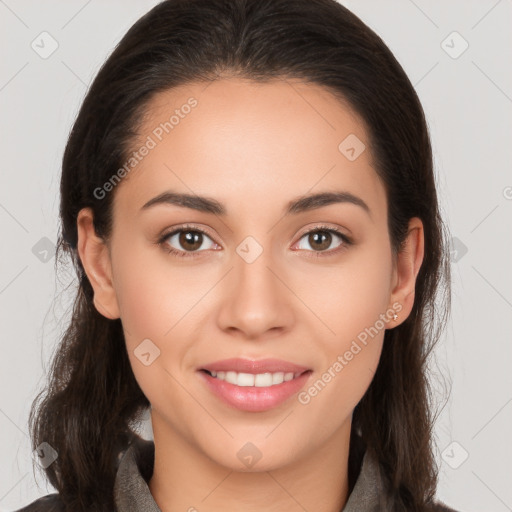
[{"x": 92, "y": 399}]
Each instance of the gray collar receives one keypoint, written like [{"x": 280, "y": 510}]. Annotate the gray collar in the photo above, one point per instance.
[{"x": 132, "y": 493}]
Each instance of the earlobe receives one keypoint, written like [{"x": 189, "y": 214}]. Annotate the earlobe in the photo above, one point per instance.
[
  {"x": 408, "y": 264},
  {"x": 95, "y": 257}
]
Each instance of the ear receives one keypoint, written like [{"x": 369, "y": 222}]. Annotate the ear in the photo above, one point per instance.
[
  {"x": 407, "y": 266},
  {"x": 95, "y": 257}
]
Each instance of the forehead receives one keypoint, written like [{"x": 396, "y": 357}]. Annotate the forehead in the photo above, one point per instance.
[{"x": 247, "y": 142}]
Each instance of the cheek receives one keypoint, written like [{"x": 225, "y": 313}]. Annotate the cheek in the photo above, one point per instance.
[
  {"x": 350, "y": 300},
  {"x": 159, "y": 302},
  {"x": 153, "y": 308},
  {"x": 152, "y": 293},
  {"x": 334, "y": 394},
  {"x": 349, "y": 295},
  {"x": 350, "y": 355}
]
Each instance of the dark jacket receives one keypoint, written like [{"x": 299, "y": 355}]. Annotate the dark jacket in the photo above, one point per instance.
[{"x": 136, "y": 466}]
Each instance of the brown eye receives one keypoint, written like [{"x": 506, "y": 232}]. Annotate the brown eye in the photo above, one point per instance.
[
  {"x": 320, "y": 240},
  {"x": 186, "y": 240},
  {"x": 190, "y": 240}
]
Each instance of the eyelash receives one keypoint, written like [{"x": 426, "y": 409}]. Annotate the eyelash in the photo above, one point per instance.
[{"x": 316, "y": 254}]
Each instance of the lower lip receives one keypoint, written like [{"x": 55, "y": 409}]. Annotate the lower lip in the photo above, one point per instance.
[{"x": 252, "y": 398}]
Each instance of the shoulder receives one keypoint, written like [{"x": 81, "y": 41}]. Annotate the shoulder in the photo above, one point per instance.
[
  {"x": 50, "y": 503},
  {"x": 144, "y": 452}
]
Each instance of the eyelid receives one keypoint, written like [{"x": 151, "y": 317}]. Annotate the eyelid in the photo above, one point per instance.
[
  {"x": 322, "y": 227},
  {"x": 184, "y": 227}
]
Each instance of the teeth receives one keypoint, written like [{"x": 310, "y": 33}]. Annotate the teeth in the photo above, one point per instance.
[{"x": 259, "y": 380}]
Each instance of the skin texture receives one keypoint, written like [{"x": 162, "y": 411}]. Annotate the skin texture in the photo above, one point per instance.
[{"x": 253, "y": 147}]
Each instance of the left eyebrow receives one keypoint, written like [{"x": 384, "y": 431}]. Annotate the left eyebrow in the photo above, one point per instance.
[
  {"x": 296, "y": 206},
  {"x": 199, "y": 203}
]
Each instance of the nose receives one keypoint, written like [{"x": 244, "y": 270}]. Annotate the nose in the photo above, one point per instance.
[{"x": 256, "y": 300}]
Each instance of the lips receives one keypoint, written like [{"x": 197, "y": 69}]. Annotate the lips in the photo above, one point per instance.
[
  {"x": 249, "y": 366},
  {"x": 260, "y": 395}
]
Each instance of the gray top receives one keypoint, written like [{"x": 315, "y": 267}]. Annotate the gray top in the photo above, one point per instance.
[
  {"x": 132, "y": 493},
  {"x": 135, "y": 467}
]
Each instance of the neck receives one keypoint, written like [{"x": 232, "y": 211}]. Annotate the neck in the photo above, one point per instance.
[{"x": 185, "y": 478}]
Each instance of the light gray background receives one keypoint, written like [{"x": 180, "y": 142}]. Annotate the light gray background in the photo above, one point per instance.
[{"x": 468, "y": 102}]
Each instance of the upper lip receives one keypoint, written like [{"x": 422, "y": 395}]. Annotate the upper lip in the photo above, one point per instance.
[{"x": 251, "y": 366}]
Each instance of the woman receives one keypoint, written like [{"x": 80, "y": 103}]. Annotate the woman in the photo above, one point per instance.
[{"x": 249, "y": 200}]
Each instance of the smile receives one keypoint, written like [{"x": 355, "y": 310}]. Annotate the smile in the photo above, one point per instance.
[
  {"x": 259, "y": 380},
  {"x": 254, "y": 392}
]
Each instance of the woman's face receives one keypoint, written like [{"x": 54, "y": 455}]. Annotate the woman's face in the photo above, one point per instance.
[{"x": 264, "y": 281}]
